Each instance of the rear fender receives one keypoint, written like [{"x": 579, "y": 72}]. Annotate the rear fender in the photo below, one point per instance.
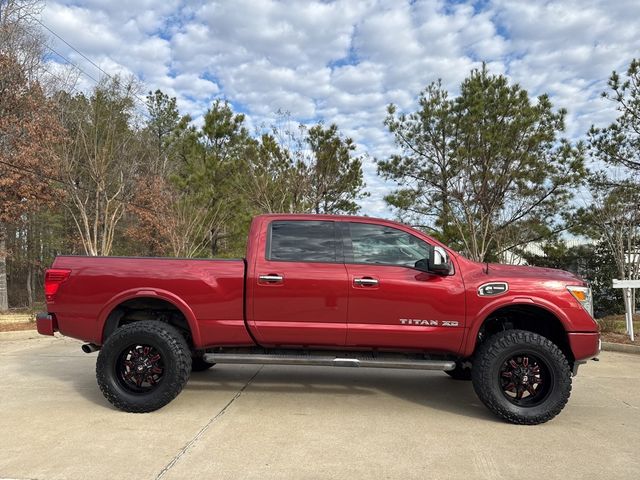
[{"x": 176, "y": 301}]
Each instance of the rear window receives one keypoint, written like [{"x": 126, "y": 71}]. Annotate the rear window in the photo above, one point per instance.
[{"x": 302, "y": 241}]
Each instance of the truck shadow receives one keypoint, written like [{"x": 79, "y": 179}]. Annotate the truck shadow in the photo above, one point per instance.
[{"x": 432, "y": 390}]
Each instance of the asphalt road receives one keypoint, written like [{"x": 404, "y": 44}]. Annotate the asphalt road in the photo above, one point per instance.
[{"x": 252, "y": 422}]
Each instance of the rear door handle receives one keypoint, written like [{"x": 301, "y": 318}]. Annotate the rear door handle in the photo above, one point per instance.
[
  {"x": 270, "y": 278},
  {"x": 365, "y": 282}
]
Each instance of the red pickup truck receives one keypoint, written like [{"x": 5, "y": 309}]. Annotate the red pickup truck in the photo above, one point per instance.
[{"x": 327, "y": 290}]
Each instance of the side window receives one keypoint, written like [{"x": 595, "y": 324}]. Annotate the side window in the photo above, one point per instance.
[
  {"x": 386, "y": 245},
  {"x": 302, "y": 241}
]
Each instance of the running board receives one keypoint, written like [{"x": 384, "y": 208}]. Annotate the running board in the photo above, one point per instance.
[{"x": 330, "y": 361}]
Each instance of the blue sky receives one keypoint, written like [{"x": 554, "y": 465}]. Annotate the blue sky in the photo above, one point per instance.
[{"x": 344, "y": 61}]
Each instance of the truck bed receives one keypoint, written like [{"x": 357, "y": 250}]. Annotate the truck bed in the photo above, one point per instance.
[{"x": 209, "y": 293}]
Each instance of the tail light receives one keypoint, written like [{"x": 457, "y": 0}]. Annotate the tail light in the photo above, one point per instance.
[{"x": 53, "y": 278}]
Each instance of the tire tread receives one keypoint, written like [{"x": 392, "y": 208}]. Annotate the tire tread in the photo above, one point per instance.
[
  {"x": 181, "y": 358},
  {"x": 490, "y": 350}
]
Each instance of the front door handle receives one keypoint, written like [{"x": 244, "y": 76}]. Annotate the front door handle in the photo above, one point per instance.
[
  {"x": 365, "y": 282},
  {"x": 271, "y": 278}
]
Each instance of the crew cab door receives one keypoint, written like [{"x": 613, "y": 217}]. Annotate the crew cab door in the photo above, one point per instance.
[
  {"x": 299, "y": 285},
  {"x": 393, "y": 305}
]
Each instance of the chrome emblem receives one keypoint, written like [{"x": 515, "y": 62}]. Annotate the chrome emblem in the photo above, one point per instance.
[
  {"x": 428, "y": 323},
  {"x": 493, "y": 288}
]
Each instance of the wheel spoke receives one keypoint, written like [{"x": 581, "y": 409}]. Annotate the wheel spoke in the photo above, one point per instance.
[
  {"x": 140, "y": 368},
  {"x": 510, "y": 387},
  {"x": 519, "y": 392}
]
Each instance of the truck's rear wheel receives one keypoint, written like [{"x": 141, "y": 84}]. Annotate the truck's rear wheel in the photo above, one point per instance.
[
  {"x": 143, "y": 366},
  {"x": 522, "y": 377}
]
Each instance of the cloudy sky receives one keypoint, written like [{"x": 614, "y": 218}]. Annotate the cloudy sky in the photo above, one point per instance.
[{"x": 344, "y": 61}]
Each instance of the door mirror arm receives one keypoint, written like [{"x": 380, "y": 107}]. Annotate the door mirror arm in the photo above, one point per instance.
[{"x": 425, "y": 265}]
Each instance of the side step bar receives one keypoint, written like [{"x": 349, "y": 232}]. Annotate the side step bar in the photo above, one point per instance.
[{"x": 330, "y": 361}]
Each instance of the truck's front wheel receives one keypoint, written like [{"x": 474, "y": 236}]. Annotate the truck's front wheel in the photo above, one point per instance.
[
  {"x": 143, "y": 366},
  {"x": 522, "y": 377}
]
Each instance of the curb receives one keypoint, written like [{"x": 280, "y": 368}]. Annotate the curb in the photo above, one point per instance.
[{"x": 621, "y": 347}]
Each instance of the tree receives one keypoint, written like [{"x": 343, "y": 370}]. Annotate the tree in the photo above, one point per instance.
[
  {"x": 485, "y": 170},
  {"x": 212, "y": 162},
  {"x": 28, "y": 131},
  {"x": 592, "y": 262},
  {"x": 152, "y": 212},
  {"x": 300, "y": 169},
  {"x": 613, "y": 214},
  {"x": 277, "y": 181},
  {"x": 101, "y": 160},
  {"x": 20, "y": 37},
  {"x": 335, "y": 176},
  {"x": 619, "y": 143},
  {"x": 165, "y": 127}
]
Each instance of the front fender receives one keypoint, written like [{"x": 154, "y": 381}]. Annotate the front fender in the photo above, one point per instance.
[{"x": 532, "y": 301}]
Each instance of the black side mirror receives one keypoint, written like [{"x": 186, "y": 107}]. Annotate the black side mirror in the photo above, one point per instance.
[
  {"x": 427, "y": 265},
  {"x": 422, "y": 265}
]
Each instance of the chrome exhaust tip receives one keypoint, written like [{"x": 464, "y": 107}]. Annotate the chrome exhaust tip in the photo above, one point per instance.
[{"x": 90, "y": 347}]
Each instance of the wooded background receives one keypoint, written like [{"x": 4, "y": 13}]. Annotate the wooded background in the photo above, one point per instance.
[{"x": 115, "y": 171}]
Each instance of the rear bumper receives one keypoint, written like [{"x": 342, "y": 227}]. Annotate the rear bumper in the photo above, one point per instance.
[
  {"x": 46, "y": 323},
  {"x": 584, "y": 345}
]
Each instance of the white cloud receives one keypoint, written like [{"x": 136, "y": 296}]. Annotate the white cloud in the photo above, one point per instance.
[{"x": 344, "y": 61}]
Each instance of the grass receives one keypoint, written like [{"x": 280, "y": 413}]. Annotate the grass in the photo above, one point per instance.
[
  {"x": 613, "y": 329},
  {"x": 17, "y": 319}
]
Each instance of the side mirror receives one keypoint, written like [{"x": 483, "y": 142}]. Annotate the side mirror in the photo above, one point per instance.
[{"x": 428, "y": 265}]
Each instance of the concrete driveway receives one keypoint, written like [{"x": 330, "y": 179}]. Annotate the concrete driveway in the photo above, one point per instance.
[{"x": 246, "y": 422}]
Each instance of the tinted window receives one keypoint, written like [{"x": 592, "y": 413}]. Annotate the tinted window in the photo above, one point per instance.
[
  {"x": 386, "y": 245},
  {"x": 302, "y": 241}
]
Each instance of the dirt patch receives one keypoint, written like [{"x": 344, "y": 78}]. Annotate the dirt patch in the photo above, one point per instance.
[
  {"x": 614, "y": 337},
  {"x": 613, "y": 327},
  {"x": 16, "y": 326}
]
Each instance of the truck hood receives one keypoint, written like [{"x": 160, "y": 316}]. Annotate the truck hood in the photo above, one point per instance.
[{"x": 500, "y": 270}]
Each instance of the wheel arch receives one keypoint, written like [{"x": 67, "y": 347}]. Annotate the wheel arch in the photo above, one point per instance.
[
  {"x": 524, "y": 315},
  {"x": 111, "y": 314}
]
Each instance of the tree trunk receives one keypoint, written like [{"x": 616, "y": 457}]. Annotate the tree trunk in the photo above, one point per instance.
[
  {"x": 30, "y": 286},
  {"x": 4, "y": 296}
]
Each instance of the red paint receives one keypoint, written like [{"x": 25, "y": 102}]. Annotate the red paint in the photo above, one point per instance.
[
  {"x": 584, "y": 345},
  {"x": 315, "y": 304},
  {"x": 46, "y": 324}
]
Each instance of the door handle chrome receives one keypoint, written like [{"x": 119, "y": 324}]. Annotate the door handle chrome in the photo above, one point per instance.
[
  {"x": 365, "y": 282},
  {"x": 271, "y": 278}
]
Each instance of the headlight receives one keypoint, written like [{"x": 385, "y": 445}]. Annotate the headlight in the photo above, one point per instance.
[{"x": 583, "y": 296}]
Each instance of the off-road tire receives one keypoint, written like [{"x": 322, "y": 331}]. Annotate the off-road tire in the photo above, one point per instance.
[
  {"x": 199, "y": 364},
  {"x": 175, "y": 354},
  {"x": 460, "y": 372},
  {"x": 487, "y": 382}
]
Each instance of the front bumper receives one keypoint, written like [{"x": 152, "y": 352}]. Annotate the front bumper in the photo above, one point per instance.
[
  {"x": 584, "y": 345},
  {"x": 46, "y": 323}
]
